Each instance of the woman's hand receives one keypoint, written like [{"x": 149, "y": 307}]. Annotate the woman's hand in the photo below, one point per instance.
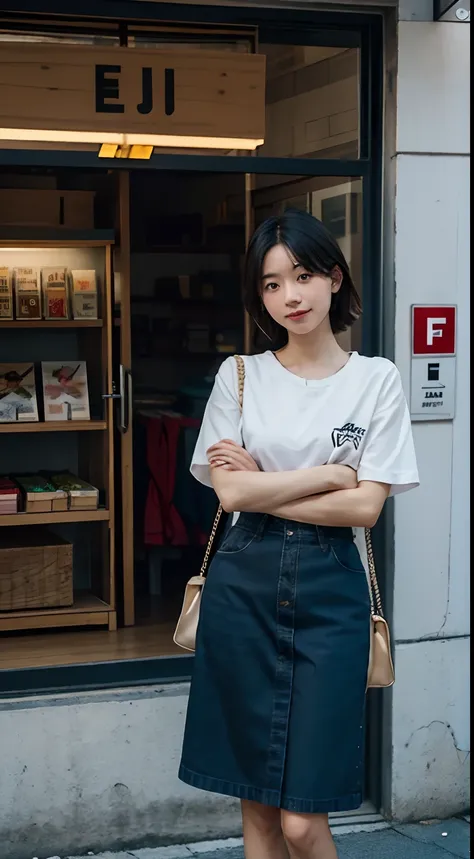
[{"x": 228, "y": 455}]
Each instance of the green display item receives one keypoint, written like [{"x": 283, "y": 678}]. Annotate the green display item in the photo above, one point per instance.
[
  {"x": 34, "y": 483},
  {"x": 71, "y": 483}
]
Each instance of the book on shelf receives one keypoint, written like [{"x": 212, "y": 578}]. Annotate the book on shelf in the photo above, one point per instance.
[
  {"x": 6, "y": 294},
  {"x": 18, "y": 402},
  {"x": 84, "y": 294},
  {"x": 66, "y": 395},
  {"x": 27, "y": 293},
  {"x": 55, "y": 293}
]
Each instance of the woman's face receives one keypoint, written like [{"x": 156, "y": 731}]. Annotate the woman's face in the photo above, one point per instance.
[{"x": 294, "y": 297}]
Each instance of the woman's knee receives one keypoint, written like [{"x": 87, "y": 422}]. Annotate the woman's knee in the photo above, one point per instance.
[
  {"x": 304, "y": 831},
  {"x": 264, "y": 818}
]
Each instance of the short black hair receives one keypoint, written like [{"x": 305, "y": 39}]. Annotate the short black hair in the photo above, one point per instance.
[{"x": 311, "y": 244}]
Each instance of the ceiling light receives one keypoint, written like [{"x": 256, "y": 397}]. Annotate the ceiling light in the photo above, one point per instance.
[{"x": 40, "y": 135}]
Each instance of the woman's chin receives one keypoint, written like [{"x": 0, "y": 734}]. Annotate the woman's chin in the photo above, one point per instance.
[{"x": 302, "y": 326}]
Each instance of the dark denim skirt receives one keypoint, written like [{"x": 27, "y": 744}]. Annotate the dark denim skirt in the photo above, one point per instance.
[{"x": 276, "y": 709}]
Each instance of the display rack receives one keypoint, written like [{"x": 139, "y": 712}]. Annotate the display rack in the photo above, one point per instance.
[{"x": 94, "y": 438}]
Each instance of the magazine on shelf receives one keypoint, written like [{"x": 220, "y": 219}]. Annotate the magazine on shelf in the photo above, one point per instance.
[
  {"x": 84, "y": 294},
  {"x": 6, "y": 294},
  {"x": 27, "y": 293},
  {"x": 55, "y": 297},
  {"x": 18, "y": 401},
  {"x": 66, "y": 396}
]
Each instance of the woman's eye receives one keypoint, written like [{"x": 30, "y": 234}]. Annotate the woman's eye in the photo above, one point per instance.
[
  {"x": 271, "y": 287},
  {"x": 304, "y": 277}
]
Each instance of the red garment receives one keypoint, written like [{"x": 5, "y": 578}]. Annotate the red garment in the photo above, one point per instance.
[{"x": 163, "y": 524}]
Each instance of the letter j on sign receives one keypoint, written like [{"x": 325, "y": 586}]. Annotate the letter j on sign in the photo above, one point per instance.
[{"x": 434, "y": 330}]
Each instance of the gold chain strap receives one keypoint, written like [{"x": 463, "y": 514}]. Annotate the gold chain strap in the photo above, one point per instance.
[
  {"x": 241, "y": 381},
  {"x": 374, "y": 585},
  {"x": 211, "y": 541}
]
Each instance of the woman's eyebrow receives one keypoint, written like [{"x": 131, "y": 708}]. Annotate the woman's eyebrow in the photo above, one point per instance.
[{"x": 295, "y": 266}]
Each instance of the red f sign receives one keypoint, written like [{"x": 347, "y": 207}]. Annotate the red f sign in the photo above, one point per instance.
[{"x": 434, "y": 330}]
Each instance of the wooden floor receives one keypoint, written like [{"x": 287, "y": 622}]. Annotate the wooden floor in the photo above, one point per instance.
[{"x": 152, "y": 636}]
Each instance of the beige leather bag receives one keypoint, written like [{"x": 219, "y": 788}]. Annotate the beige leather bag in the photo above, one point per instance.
[
  {"x": 186, "y": 628},
  {"x": 380, "y": 671}
]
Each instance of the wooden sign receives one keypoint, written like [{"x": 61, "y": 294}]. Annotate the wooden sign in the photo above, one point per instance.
[{"x": 188, "y": 93}]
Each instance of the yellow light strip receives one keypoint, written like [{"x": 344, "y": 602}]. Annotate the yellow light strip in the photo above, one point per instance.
[{"x": 40, "y": 135}]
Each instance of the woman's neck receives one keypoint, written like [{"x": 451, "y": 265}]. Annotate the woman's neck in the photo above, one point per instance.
[{"x": 314, "y": 355}]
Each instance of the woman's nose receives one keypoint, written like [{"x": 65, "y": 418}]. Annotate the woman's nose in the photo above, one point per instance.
[{"x": 292, "y": 295}]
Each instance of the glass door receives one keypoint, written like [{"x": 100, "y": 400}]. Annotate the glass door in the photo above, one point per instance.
[{"x": 123, "y": 394}]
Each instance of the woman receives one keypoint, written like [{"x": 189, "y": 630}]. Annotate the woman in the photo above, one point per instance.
[{"x": 276, "y": 710}]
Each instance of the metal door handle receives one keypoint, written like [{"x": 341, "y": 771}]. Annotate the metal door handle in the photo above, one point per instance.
[{"x": 125, "y": 399}]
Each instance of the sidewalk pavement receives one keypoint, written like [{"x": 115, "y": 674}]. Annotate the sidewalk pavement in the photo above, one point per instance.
[{"x": 429, "y": 840}]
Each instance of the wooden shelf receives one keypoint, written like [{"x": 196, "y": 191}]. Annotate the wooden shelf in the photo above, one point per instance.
[
  {"x": 96, "y": 461},
  {"x": 13, "y": 324},
  {"x": 87, "y": 610},
  {"x": 53, "y": 426},
  {"x": 54, "y": 518},
  {"x": 43, "y": 237}
]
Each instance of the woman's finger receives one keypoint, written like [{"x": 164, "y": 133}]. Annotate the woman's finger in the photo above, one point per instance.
[
  {"x": 224, "y": 453},
  {"x": 225, "y": 442}
]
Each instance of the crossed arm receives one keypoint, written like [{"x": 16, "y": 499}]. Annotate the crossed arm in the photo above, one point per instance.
[{"x": 322, "y": 495}]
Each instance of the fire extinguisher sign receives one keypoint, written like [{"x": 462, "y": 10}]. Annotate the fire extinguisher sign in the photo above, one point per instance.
[
  {"x": 434, "y": 330},
  {"x": 433, "y": 362}
]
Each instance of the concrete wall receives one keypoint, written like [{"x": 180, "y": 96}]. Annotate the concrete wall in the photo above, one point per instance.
[
  {"x": 430, "y": 737},
  {"x": 92, "y": 772}
]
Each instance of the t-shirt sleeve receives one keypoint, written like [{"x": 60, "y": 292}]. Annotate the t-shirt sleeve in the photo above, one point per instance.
[
  {"x": 221, "y": 419},
  {"x": 389, "y": 452}
]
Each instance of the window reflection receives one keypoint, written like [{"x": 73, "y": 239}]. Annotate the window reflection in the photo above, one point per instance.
[
  {"x": 337, "y": 202},
  {"x": 312, "y": 102}
]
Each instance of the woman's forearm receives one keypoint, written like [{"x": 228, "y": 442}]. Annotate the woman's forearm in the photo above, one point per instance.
[
  {"x": 360, "y": 507},
  {"x": 257, "y": 491}
]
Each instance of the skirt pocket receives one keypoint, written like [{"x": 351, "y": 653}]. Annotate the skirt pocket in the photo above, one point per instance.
[
  {"x": 236, "y": 541},
  {"x": 346, "y": 554}
]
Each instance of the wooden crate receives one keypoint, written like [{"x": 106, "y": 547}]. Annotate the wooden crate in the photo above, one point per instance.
[{"x": 35, "y": 570}]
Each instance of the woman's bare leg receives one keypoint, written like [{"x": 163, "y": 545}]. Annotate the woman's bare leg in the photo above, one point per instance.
[
  {"x": 263, "y": 838},
  {"x": 308, "y": 836}
]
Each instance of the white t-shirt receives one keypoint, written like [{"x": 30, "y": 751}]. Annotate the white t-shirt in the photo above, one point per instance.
[{"x": 357, "y": 417}]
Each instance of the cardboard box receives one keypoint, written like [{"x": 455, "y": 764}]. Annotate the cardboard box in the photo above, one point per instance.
[
  {"x": 82, "y": 495},
  {"x": 21, "y": 207},
  {"x": 40, "y": 496}
]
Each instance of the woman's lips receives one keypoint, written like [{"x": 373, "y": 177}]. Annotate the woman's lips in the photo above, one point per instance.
[{"x": 298, "y": 314}]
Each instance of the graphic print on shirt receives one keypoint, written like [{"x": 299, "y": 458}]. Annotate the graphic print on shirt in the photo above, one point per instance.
[{"x": 349, "y": 432}]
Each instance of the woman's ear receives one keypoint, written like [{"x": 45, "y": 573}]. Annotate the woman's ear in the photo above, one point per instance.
[{"x": 336, "y": 279}]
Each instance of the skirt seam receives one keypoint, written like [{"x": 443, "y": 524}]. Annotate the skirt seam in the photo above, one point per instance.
[{"x": 349, "y": 801}]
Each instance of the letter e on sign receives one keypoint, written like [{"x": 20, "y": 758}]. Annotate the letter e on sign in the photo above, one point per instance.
[{"x": 434, "y": 330}]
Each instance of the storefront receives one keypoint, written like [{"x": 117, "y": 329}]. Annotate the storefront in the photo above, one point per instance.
[{"x": 140, "y": 144}]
